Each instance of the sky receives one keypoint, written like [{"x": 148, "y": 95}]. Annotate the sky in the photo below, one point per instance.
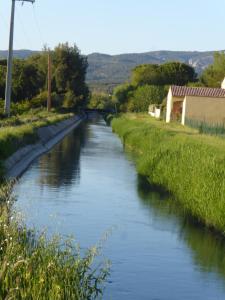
[{"x": 116, "y": 26}]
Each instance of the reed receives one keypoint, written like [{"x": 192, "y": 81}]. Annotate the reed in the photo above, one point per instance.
[
  {"x": 33, "y": 267},
  {"x": 191, "y": 166}
]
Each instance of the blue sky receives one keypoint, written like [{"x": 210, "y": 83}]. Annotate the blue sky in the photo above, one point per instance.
[{"x": 117, "y": 26}]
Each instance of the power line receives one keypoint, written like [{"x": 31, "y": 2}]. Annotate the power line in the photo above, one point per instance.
[
  {"x": 24, "y": 30},
  {"x": 38, "y": 27}
]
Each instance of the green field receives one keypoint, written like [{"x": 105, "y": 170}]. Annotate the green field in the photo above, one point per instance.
[{"x": 189, "y": 165}]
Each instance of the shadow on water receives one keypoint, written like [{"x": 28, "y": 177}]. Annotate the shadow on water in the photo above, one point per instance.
[{"x": 207, "y": 247}]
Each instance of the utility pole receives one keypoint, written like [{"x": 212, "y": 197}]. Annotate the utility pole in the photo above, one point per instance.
[
  {"x": 49, "y": 101},
  {"x": 8, "y": 89}
]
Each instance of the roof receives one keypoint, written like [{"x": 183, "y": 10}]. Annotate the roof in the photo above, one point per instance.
[{"x": 182, "y": 91}]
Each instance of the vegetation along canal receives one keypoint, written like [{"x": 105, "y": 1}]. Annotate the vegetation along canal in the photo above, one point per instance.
[{"x": 88, "y": 185}]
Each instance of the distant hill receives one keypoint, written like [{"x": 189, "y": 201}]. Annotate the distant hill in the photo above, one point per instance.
[
  {"x": 114, "y": 69},
  {"x": 18, "y": 53},
  {"x": 117, "y": 68}
]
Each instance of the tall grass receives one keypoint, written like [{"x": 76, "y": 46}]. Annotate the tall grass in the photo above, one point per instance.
[
  {"x": 33, "y": 267},
  {"x": 188, "y": 165},
  {"x": 206, "y": 128}
]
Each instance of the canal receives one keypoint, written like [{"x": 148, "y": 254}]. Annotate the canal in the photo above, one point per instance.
[{"x": 87, "y": 186}]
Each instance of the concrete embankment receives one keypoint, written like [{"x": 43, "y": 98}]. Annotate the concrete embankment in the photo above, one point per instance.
[{"x": 49, "y": 136}]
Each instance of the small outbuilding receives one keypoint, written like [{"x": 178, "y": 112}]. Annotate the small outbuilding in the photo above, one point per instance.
[{"x": 200, "y": 104}]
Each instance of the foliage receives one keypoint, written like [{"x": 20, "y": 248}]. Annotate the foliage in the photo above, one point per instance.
[
  {"x": 69, "y": 71},
  {"x": 70, "y": 100},
  {"x": 30, "y": 77},
  {"x": 145, "y": 95},
  {"x": 121, "y": 95},
  {"x": 187, "y": 164},
  {"x": 215, "y": 73},
  {"x": 33, "y": 267},
  {"x": 149, "y": 85},
  {"x": 100, "y": 101},
  {"x": 169, "y": 73}
]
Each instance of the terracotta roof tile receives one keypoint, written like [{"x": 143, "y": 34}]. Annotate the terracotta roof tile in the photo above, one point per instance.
[{"x": 182, "y": 91}]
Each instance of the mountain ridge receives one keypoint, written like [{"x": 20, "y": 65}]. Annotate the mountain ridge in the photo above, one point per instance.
[{"x": 105, "y": 68}]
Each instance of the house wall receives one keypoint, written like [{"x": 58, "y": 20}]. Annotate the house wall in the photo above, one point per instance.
[
  {"x": 169, "y": 106},
  {"x": 209, "y": 110}
]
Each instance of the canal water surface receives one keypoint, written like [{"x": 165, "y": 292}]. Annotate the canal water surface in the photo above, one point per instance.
[{"x": 87, "y": 186}]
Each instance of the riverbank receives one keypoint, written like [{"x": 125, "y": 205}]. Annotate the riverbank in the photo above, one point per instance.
[
  {"x": 24, "y": 138},
  {"x": 179, "y": 159},
  {"x": 34, "y": 267}
]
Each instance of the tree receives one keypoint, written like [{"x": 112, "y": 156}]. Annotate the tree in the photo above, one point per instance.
[
  {"x": 145, "y": 95},
  {"x": 2, "y": 81},
  {"x": 177, "y": 73},
  {"x": 100, "y": 101},
  {"x": 121, "y": 95},
  {"x": 26, "y": 80},
  {"x": 169, "y": 73},
  {"x": 147, "y": 74},
  {"x": 70, "y": 69},
  {"x": 215, "y": 73}
]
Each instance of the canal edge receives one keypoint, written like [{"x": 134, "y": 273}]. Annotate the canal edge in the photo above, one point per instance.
[{"x": 49, "y": 136}]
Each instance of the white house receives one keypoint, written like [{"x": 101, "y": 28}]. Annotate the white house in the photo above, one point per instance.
[{"x": 196, "y": 103}]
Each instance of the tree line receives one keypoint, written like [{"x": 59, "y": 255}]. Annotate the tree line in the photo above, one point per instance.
[
  {"x": 149, "y": 84},
  {"x": 29, "y": 76}
]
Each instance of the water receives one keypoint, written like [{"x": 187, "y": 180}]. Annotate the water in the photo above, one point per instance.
[{"x": 87, "y": 186}]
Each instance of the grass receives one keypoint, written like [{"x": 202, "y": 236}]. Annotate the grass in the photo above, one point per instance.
[
  {"x": 189, "y": 165},
  {"x": 33, "y": 267},
  {"x": 206, "y": 128},
  {"x": 21, "y": 130}
]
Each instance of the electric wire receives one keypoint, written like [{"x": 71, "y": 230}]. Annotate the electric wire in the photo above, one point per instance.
[
  {"x": 38, "y": 27},
  {"x": 26, "y": 36}
]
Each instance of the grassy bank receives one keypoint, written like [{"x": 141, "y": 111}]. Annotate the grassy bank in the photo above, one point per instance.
[
  {"x": 189, "y": 165},
  {"x": 21, "y": 130},
  {"x": 34, "y": 268}
]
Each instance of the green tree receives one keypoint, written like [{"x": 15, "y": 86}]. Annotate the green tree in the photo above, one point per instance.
[
  {"x": 100, "y": 101},
  {"x": 215, "y": 73},
  {"x": 145, "y": 95},
  {"x": 177, "y": 73},
  {"x": 169, "y": 73},
  {"x": 69, "y": 72},
  {"x": 2, "y": 81},
  {"x": 27, "y": 81},
  {"x": 121, "y": 95}
]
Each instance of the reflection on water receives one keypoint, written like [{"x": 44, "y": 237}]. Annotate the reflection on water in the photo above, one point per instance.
[
  {"x": 65, "y": 160},
  {"x": 208, "y": 248},
  {"x": 90, "y": 185}
]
